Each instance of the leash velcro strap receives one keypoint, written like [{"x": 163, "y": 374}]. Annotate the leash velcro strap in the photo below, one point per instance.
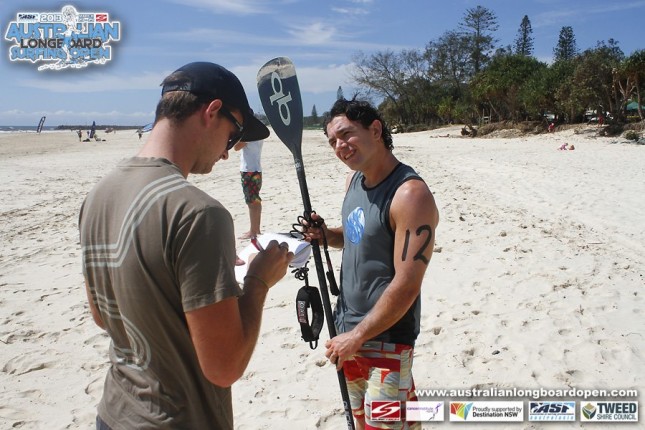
[{"x": 309, "y": 297}]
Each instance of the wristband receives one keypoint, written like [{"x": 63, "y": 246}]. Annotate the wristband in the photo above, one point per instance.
[{"x": 259, "y": 279}]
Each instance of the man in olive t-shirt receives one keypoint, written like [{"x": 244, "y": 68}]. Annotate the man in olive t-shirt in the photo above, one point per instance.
[{"x": 158, "y": 260}]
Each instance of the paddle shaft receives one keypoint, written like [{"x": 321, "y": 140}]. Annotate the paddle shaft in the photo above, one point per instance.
[
  {"x": 324, "y": 291},
  {"x": 280, "y": 96}
]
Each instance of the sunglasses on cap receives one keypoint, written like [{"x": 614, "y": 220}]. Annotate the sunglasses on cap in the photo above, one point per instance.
[{"x": 236, "y": 136}]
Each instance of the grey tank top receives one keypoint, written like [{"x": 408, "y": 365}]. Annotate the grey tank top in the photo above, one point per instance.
[{"x": 368, "y": 261}]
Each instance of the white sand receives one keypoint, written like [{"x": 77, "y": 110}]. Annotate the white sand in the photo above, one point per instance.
[{"x": 536, "y": 281}]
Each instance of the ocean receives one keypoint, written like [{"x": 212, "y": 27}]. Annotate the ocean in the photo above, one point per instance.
[{"x": 24, "y": 128}]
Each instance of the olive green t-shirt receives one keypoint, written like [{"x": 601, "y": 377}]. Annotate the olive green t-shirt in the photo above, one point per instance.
[{"x": 154, "y": 247}]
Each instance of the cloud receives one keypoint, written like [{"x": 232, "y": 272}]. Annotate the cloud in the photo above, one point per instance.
[
  {"x": 316, "y": 33},
  {"x": 350, "y": 11},
  {"x": 562, "y": 15},
  {"x": 318, "y": 80},
  {"x": 312, "y": 80},
  {"x": 97, "y": 84},
  {"x": 238, "y": 7}
]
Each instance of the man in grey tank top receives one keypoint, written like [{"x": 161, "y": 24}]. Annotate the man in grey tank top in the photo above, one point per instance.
[
  {"x": 158, "y": 260},
  {"x": 389, "y": 219}
]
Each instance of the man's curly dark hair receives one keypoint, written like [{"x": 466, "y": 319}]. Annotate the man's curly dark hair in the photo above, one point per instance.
[{"x": 360, "y": 111}]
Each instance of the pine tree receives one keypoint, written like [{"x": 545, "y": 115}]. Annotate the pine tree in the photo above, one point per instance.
[
  {"x": 566, "y": 49},
  {"x": 314, "y": 115},
  {"x": 479, "y": 25},
  {"x": 524, "y": 40}
]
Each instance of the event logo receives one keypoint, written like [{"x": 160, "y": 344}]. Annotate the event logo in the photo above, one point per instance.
[
  {"x": 386, "y": 410},
  {"x": 609, "y": 411},
  {"x": 552, "y": 411},
  {"x": 61, "y": 40}
]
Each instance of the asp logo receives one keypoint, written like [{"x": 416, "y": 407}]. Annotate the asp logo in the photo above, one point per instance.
[
  {"x": 386, "y": 410},
  {"x": 552, "y": 411}
]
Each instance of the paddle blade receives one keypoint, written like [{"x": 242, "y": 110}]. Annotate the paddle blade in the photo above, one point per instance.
[{"x": 280, "y": 97}]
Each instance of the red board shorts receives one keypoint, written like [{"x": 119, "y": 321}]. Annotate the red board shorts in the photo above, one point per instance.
[{"x": 380, "y": 371}]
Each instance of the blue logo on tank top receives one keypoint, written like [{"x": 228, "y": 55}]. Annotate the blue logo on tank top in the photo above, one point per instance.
[{"x": 355, "y": 225}]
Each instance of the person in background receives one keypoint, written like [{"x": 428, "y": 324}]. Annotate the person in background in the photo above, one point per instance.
[
  {"x": 251, "y": 176},
  {"x": 158, "y": 259}
]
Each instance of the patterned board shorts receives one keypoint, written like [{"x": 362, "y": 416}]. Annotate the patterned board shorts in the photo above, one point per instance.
[
  {"x": 380, "y": 371},
  {"x": 251, "y": 185}
]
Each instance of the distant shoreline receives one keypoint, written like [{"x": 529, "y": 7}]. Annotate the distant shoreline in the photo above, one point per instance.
[
  {"x": 68, "y": 127},
  {"x": 99, "y": 127}
]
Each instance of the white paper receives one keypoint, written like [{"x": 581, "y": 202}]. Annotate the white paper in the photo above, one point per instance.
[{"x": 300, "y": 248}]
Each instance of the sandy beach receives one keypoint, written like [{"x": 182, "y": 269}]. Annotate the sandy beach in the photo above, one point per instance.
[{"x": 536, "y": 281}]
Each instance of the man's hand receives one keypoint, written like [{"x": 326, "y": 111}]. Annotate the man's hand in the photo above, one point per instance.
[
  {"x": 270, "y": 265},
  {"x": 342, "y": 347}
]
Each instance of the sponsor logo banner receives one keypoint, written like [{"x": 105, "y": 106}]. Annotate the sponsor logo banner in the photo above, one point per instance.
[
  {"x": 609, "y": 411},
  {"x": 424, "y": 411},
  {"x": 385, "y": 410},
  {"x": 487, "y": 411},
  {"x": 552, "y": 411}
]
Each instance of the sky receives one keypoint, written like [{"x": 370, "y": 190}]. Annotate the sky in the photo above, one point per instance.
[{"x": 321, "y": 37}]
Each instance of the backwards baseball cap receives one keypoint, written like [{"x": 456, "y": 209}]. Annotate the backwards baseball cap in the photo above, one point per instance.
[{"x": 212, "y": 80}]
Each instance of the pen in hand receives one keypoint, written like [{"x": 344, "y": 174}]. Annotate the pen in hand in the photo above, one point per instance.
[{"x": 257, "y": 244}]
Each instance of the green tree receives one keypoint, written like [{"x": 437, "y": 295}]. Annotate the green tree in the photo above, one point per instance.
[
  {"x": 524, "y": 39},
  {"x": 398, "y": 78},
  {"x": 560, "y": 79},
  {"x": 479, "y": 24},
  {"x": 566, "y": 49},
  {"x": 500, "y": 86},
  {"x": 448, "y": 61},
  {"x": 634, "y": 69},
  {"x": 594, "y": 78},
  {"x": 314, "y": 114}
]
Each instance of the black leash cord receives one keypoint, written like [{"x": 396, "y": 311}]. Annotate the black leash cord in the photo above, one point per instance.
[{"x": 305, "y": 222}]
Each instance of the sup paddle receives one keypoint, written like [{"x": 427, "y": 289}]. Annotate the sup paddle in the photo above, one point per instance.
[{"x": 280, "y": 96}]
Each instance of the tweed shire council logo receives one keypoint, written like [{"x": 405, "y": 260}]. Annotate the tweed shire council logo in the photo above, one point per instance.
[{"x": 65, "y": 39}]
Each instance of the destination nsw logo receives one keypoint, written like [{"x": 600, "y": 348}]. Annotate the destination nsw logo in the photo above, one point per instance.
[
  {"x": 487, "y": 411},
  {"x": 460, "y": 410},
  {"x": 61, "y": 40}
]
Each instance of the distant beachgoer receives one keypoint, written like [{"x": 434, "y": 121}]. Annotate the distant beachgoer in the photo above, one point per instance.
[
  {"x": 563, "y": 147},
  {"x": 251, "y": 172},
  {"x": 140, "y": 133},
  {"x": 80, "y": 135},
  {"x": 551, "y": 127}
]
